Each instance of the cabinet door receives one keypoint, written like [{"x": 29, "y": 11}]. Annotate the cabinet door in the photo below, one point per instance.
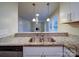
[
  {"x": 32, "y": 51},
  {"x": 75, "y": 11},
  {"x": 64, "y": 12},
  {"x": 42, "y": 51},
  {"x": 10, "y": 54},
  {"x": 53, "y": 51}
]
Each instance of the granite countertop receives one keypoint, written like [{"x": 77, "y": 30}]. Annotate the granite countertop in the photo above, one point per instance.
[
  {"x": 11, "y": 40},
  {"x": 71, "y": 41}
]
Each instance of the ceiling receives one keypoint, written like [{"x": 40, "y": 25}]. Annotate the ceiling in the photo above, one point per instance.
[{"x": 26, "y": 10}]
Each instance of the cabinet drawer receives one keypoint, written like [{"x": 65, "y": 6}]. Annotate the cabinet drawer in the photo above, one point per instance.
[
  {"x": 10, "y": 48},
  {"x": 10, "y": 54},
  {"x": 11, "y": 51}
]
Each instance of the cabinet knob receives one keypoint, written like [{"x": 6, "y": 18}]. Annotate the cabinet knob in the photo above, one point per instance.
[{"x": 69, "y": 16}]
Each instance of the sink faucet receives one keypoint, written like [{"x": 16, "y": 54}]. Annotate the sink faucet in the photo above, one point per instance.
[
  {"x": 42, "y": 38},
  {"x": 37, "y": 34}
]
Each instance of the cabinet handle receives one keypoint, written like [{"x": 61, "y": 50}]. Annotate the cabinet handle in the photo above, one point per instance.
[{"x": 69, "y": 16}]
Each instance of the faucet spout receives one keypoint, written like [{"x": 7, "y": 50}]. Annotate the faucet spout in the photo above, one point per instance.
[{"x": 41, "y": 38}]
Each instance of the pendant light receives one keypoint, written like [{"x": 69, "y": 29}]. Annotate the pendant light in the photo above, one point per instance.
[
  {"x": 35, "y": 19},
  {"x": 37, "y": 15},
  {"x": 33, "y": 12},
  {"x": 48, "y": 19}
]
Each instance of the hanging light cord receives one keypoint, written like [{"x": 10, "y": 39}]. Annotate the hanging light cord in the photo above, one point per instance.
[
  {"x": 48, "y": 8},
  {"x": 33, "y": 8}
]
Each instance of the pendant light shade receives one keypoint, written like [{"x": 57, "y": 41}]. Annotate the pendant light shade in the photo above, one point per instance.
[
  {"x": 48, "y": 19},
  {"x": 33, "y": 12},
  {"x": 37, "y": 14},
  {"x": 33, "y": 19}
]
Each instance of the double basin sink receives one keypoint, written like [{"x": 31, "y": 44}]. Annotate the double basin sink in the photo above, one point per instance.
[{"x": 41, "y": 39}]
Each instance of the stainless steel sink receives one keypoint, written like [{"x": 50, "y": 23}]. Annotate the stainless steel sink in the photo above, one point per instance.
[{"x": 41, "y": 39}]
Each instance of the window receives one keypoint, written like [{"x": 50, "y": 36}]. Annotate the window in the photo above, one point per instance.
[{"x": 53, "y": 24}]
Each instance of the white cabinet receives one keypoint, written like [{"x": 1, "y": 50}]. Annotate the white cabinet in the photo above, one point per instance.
[
  {"x": 32, "y": 51},
  {"x": 64, "y": 12},
  {"x": 56, "y": 51},
  {"x": 74, "y": 11},
  {"x": 69, "y": 11},
  {"x": 53, "y": 51},
  {"x": 42, "y": 51}
]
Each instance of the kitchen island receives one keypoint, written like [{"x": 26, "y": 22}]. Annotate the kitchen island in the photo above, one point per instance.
[{"x": 61, "y": 42}]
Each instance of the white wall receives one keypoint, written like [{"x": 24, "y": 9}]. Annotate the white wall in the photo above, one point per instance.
[
  {"x": 24, "y": 25},
  {"x": 20, "y": 25},
  {"x": 8, "y": 18}
]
